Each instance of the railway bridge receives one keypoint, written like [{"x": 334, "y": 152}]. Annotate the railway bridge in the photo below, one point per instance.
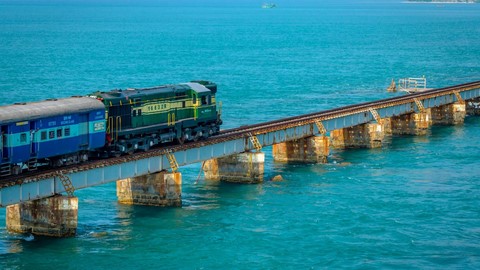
[{"x": 35, "y": 204}]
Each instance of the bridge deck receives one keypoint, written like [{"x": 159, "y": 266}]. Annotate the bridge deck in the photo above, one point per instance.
[{"x": 233, "y": 141}]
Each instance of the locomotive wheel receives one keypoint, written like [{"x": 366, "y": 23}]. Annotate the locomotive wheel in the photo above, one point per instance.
[
  {"x": 208, "y": 133},
  {"x": 57, "y": 163},
  {"x": 148, "y": 145},
  {"x": 16, "y": 170}
]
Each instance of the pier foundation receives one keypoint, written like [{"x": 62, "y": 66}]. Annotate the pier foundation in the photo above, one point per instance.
[
  {"x": 473, "y": 107},
  {"x": 368, "y": 135},
  {"x": 306, "y": 150},
  {"x": 55, "y": 216},
  {"x": 451, "y": 114},
  {"x": 411, "y": 124},
  {"x": 387, "y": 126},
  {"x": 156, "y": 189},
  {"x": 245, "y": 168}
]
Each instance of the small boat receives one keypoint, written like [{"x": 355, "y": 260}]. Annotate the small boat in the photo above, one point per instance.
[{"x": 269, "y": 5}]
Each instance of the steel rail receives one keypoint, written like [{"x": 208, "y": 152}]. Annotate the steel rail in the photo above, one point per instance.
[{"x": 244, "y": 131}]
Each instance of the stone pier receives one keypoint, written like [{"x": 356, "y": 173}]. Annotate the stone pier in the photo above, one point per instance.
[
  {"x": 246, "y": 168},
  {"x": 473, "y": 107},
  {"x": 451, "y": 114},
  {"x": 368, "y": 135},
  {"x": 156, "y": 189},
  {"x": 306, "y": 150},
  {"x": 411, "y": 124},
  {"x": 55, "y": 216}
]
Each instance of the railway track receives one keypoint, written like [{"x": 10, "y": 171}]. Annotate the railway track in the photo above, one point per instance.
[{"x": 241, "y": 132}]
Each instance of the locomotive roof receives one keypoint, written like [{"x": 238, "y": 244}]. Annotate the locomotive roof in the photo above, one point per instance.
[
  {"x": 197, "y": 87},
  {"x": 132, "y": 92},
  {"x": 50, "y": 107}
]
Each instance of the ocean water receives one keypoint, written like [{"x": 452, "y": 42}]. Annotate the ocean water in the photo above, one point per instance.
[{"x": 414, "y": 203}]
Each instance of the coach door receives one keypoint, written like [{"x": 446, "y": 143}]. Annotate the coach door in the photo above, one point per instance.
[
  {"x": 33, "y": 146},
  {"x": 4, "y": 142},
  {"x": 83, "y": 130},
  {"x": 114, "y": 126},
  {"x": 114, "y": 122}
]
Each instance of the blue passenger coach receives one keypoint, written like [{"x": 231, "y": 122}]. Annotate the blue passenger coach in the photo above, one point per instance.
[{"x": 55, "y": 132}]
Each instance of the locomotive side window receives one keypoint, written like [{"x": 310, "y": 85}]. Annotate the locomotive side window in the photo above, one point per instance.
[
  {"x": 134, "y": 113},
  {"x": 194, "y": 98},
  {"x": 43, "y": 136},
  {"x": 59, "y": 133},
  {"x": 204, "y": 100},
  {"x": 23, "y": 137},
  {"x": 139, "y": 112},
  {"x": 67, "y": 131},
  {"x": 51, "y": 134},
  {"x": 209, "y": 100},
  {"x": 183, "y": 104}
]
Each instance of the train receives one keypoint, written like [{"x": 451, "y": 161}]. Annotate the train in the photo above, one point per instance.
[{"x": 60, "y": 132}]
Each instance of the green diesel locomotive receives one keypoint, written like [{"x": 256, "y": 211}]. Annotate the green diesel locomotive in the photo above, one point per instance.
[{"x": 138, "y": 119}]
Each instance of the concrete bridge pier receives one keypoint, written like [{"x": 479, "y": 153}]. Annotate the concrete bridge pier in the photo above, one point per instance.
[
  {"x": 245, "y": 168},
  {"x": 368, "y": 135},
  {"x": 55, "y": 216},
  {"x": 411, "y": 124},
  {"x": 155, "y": 189},
  {"x": 450, "y": 114},
  {"x": 387, "y": 126},
  {"x": 313, "y": 149},
  {"x": 473, "y": 107}
]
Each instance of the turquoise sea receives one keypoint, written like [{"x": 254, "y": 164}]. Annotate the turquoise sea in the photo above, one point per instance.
[{"x": 414, "y": 204}]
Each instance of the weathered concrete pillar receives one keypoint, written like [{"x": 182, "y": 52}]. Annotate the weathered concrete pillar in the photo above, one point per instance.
[
  {"x": 411, "y": 124},
  {"x": 157, "y": 189},
  {"x": 307, "y": 150},
  {"x": 451, "y": 114},
  {"x": 246, "y": 168},
  {"x": 473, "y": 107},
  {"x": 368, "y": 135},
  {"x": 387, "y": 126},
  {"x": 55, "y": 216}
]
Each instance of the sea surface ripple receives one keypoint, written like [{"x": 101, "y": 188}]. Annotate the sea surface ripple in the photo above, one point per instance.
[{"x": 414, "y": 203}]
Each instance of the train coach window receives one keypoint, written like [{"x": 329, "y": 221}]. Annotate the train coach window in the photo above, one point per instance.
[
  {"x": 59, "y": 133},
  {"x": 43, "y": 135},
  {"x": 51, "y": 134},
  {"x": 23, "y": 137},
  {"x": 67, "y": 131}
]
